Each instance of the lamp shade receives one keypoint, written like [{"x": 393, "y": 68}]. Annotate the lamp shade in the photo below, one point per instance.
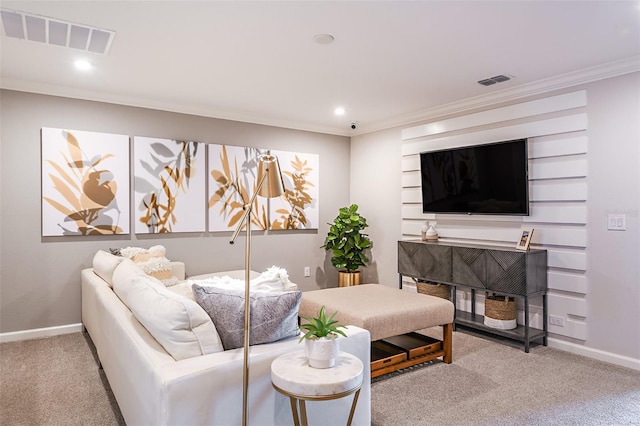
[{"x": 273, "y": 186}]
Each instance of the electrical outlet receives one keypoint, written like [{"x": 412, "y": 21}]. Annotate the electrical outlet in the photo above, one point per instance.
[
  {"x": 556, "y": 320},
  {"x": 307, "y": 271}
]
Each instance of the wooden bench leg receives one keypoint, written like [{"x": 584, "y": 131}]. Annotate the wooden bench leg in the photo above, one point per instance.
[{"x": 447, "y": 343}]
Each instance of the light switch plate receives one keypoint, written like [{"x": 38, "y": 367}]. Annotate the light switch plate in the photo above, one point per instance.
[{"x": 617, "y": 222}]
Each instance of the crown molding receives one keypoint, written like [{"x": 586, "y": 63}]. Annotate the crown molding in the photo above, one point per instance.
[
  {"x": 138, "y": 102},
  {"x": 600, "y": 72}
]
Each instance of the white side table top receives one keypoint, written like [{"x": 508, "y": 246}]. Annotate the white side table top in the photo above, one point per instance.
[{"x": 291, "y": 372}]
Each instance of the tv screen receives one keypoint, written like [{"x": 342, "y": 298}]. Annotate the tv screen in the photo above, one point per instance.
[{"x": 481, "y": 179}]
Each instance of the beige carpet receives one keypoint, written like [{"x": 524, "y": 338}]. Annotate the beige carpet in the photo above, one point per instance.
[
  {"x": 56, "y": 381},
  {"x": 490, "y": 383}
]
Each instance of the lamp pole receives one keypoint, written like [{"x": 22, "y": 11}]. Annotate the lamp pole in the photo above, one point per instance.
[{"x": 275, "y": 189}]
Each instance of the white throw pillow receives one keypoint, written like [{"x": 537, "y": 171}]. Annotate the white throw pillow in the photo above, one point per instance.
[
  {"x": 104, "y": 264},
  {"x": 180, "y": 325}
]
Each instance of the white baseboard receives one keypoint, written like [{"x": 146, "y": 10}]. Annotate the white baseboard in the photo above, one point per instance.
[
  {"x": 609, "y": 357},
  {"x": 38, "y": 333}
]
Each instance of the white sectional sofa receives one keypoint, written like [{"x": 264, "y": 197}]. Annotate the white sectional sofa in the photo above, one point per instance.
[{"x": 152, "y": 387}]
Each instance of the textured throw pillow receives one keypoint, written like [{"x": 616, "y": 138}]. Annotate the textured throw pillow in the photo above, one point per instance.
[
  {"x": 274, "y": 316},
  {"x": 178, "y": 324},
  {"x": 152, "y": 261}
]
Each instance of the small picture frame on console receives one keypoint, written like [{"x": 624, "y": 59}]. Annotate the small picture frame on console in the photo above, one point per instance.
[{"x": 525, "y": 239}]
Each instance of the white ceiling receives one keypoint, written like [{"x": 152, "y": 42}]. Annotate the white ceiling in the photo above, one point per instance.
[{"x": 391, "y": 62}]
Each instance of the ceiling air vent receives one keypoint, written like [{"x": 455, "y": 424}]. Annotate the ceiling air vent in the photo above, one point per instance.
[
  {"x": 56, "y": 32},
  {"x": 493, "y": 80}
]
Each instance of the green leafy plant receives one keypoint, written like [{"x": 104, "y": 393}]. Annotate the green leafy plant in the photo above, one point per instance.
[
  {"x": 346, "y": 241},
  {"x": 321, "y": 326}
]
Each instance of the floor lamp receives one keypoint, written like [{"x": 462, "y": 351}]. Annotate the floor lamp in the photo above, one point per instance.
[{"x": 270, "y": 185}]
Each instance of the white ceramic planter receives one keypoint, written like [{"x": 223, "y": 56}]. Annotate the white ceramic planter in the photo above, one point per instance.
[{"x": 322, "y": 352}]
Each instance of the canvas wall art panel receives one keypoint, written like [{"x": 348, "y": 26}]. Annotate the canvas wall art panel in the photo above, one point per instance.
[
  {"x": 232, "y": 180},
  {"x": 85, "y": 183},
  {"x": 169, "y": 186},
  {"x": 298, "y": 207}
]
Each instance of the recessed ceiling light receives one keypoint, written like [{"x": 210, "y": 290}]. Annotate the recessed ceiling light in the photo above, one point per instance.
[
  {"x": 323, "y": 38},
  {"x": 83, "y": 65},
  {"x": 339, "y": 111}
]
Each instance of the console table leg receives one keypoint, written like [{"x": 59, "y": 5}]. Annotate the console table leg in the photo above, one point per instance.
[
  {"x": 526, "y": 324},
  {"x": 455, "y": 306},
  {"x": 473, "y": 302},
  {"x": 544, "y": 320}
]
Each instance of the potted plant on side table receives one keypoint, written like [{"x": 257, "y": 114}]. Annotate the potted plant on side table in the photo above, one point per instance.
[
  {"x": 347, "y": 244},
  {"x": 320, "y": 340}
]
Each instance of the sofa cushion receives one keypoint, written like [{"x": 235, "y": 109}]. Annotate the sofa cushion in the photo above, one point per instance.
[
  {"x": 104, "y": 264},
  {"x": 273, "y": 316},
  {"x": 153, "y": 261},
  {"x": 181, "y": 326}
]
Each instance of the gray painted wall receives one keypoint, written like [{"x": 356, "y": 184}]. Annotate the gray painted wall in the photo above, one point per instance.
[
  {"x": 613, "y": 267},
  {"x": 40, "y": 277}
]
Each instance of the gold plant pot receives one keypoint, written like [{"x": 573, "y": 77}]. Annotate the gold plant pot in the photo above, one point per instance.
[{"x": 347, "y": 279}]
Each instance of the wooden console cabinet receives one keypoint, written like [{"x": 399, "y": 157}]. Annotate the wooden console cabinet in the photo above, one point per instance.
[{"x": 503, "y": 271}]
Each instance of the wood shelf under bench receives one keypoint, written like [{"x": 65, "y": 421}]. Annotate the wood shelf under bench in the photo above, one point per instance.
[{"x": 398, "y": 352}]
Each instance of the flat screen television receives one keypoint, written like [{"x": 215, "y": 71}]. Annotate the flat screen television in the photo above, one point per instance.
[{"x": 481, "y": 179}]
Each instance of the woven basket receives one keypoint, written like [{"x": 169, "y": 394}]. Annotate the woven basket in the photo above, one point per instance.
[
  {"x": 500, "y": 307},
  {"x": 434, "y": 289}
]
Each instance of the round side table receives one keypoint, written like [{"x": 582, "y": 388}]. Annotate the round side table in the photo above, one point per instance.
[{"x": 292, "y": 376}]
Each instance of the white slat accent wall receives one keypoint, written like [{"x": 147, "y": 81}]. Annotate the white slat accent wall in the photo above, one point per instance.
[{"x": 558, "y": 166}]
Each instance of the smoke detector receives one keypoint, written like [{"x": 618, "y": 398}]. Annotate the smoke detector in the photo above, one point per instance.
[{"x": 323, "y": 38}]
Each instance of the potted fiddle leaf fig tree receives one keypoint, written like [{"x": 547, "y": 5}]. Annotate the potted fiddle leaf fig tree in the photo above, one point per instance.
[
  {"x": 348, "y": 244},
  {"x": 320, "y": 340}
]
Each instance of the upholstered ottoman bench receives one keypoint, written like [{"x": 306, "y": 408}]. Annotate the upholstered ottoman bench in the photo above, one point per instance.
[{"x": 392, "y": 316}]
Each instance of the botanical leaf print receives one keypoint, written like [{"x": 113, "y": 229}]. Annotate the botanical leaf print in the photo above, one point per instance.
[
  {"x": 175, "y": 172},
  {"x": 233, "y": 184},
  {"x": 297, "y": 197},
  {"x": 83, "y": 193}
]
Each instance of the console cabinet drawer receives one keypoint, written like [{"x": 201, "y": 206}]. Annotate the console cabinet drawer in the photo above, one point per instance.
[
  {"x": 493, "y": 270},
  {"x": 423, "y": 260}
]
